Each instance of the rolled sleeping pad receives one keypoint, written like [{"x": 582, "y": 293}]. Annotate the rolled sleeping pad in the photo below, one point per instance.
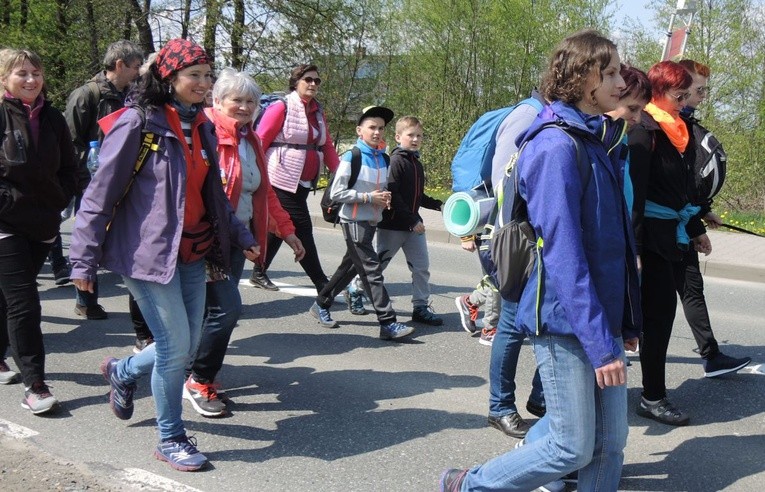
[{"x": 466, "y": 212}]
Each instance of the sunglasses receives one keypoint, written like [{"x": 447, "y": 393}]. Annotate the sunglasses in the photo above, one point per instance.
[
  {"x": 310, "y": 80},
  {"x": 680, "y": 97}
]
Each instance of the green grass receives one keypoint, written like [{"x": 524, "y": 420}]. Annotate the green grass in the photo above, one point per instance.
[{"x": 749, "y": 221}]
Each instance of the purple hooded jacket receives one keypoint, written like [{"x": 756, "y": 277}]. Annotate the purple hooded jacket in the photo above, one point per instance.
[{"x": 145, "y": 233}]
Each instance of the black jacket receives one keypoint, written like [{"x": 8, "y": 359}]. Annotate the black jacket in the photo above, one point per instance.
[
  {"x": 84, "y": 107},
  {"x": 662, "y": 174},
  {"x": 406, "y": 183},
  {"x": 36, "y": 181}
]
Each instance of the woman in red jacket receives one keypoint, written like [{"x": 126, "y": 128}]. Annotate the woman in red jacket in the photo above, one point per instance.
[{"x": 245, "y": 179}]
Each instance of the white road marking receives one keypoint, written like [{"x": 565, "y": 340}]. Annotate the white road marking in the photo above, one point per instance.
[
  {"x": 150, "y": 481},
  {"x": 287, "y": 288},
  {"x": 16, "y": 431},
  {"x": 755, "y": 369}
]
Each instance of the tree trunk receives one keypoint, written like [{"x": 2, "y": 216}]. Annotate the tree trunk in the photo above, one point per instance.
[
  {"x": 6, "y": 8},
  {"x": 91, "y": 22},
  {"x": 141, "y": 14},
  {"x": 211, "y": 24},
  {"x": 186, "y": 19},
  {"x": 24, "y": 11},
  {"x": 237, "y": 31}
]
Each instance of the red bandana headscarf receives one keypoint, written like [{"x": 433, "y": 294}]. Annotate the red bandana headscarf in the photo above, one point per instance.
[{"x": 178, "y": 54}]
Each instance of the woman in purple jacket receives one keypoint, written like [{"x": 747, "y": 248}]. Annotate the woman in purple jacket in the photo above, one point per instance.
[{"x": 156, "y": 228}]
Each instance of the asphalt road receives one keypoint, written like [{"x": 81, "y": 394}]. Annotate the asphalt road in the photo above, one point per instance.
[{"x": 340, "y": 410}]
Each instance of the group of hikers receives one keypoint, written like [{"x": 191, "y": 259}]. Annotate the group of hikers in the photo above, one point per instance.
[{"x": 188, "y": 187}]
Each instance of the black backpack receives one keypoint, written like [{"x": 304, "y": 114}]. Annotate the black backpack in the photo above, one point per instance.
[
  {"x": 330, "y": 208},
  {"x": 710, "y": 164},
  {"x": 509, "y": 246}
]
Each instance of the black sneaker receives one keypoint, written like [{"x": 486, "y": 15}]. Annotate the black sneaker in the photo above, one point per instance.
[
  {"x": 204, "y": 398},
  {"x": 468, "y": 313},
  {"x": 92, "y": 312},
  {"x": 120, "y": 394},
  {"x": 723, "y": 364},
  {"x": 451, "y": 480},
  {"x": 61, "y": 274},
  {"x": 536, "y": 409},
  {"x": 260, "y": 280},
  {"x": 662, "y": 411},
  {"x": 425, "y": 314}
]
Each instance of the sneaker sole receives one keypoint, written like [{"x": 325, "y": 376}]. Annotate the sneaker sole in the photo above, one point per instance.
[
  {"x": 176, "y": 466},
  {"x": 264, "y": 287},
  {"x": 720, "y": 372},
  {"x": 11, "y": 380},
  {"x": 201, "y": 411},
  {"x": 647, "y": 414},
  {"x": 39, "y": 411},
  {"x": 465, "y": 320},
  {"x": 488, "y": 343}
]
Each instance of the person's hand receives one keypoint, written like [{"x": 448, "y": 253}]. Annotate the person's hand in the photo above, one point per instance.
[
  {"x": 612, "y": 374},
  {"x": 253, "y": 253},
  {"x": 419, "y": 228},
  {"x": 381, "y": 198},
  {"x": 702, "y": 244},
  {"x": 296, "y": 245},
  {"x": 468, "y": 245},
  {"x": 713, "y": 220},
  {"x": 83, "y": 285},
  {"x": 631, "y": 344}
]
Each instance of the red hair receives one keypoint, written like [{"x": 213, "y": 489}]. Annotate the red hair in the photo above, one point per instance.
[
  {"x": 668, "y": 75},
  {"x": 695, "y": 67}
]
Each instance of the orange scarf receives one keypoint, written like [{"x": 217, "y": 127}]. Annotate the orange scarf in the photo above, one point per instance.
[{"x": 674, "y": 127}]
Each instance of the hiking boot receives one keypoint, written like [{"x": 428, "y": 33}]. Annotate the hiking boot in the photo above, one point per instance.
[
  {"x": 204, "y": 398},
  {"x": 7, "y": 375},
  {"x": 181, "y": 453},
  {"x": 92, "y": 312},
  {"x": 425, "y": 314},
  {"x": 451, "y": 480},
  {"x": 61, "y": 274},
  {"x": 38, "y": 399},
  {"x": 536, "y": 409},
  {"x": 355, "y": 301},
  {"x": 395, "y": 330},
  {"x": 511, "y": 425},
  {"x": 322, "y": 315},
  {"x": 120, "y": 394},
  {"x": 721, "y": 364},
  {"x": 662, "y": 411},
  {"x": 141, "y": 343},
  {"x": 487, "y": 336},
  {"x": 260, "y": 280},
  {"x": 468, "y": 313}
]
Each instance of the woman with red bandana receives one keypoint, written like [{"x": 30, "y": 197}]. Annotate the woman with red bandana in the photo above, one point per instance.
[
  {"x": 37, "y": 180},
  {"x": 158, "y": 229},
  {"x": 297, "y": 142}
]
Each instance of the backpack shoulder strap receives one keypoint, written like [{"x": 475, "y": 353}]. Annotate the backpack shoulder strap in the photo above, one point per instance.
[
  {"x": 150, "y": 143},
  {"x": 2, "y": 123},
  {"x": 355, "y": 166},
  {"x": 533, "y": 102}
]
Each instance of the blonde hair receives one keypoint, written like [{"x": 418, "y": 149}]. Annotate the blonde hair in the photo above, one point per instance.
[{"x": 407, "y": 122}]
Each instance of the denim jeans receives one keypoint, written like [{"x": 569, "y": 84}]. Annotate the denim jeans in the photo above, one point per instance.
[
  {"x": 20, "y": 313},
  {"x": 505, "y": 350},
  {"x": 85, "y": 298},
  {"x": 587, "y": 428},
  {"x": 174, "y": 311},
  {"x": 224, "y": 306}
]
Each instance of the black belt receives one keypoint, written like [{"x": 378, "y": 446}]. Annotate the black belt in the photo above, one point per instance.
[{"x": 318, "y": 148}]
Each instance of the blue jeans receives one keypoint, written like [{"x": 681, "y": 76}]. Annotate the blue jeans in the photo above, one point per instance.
[
  {"x": 587, "y": 428},
  {"x": 224, "y": 306},
  {"x": 174, "y": 311},
  {"x": 505, "y": 350}
]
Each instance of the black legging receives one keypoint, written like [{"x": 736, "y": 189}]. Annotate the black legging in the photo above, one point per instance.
[{"x": 296, "y": 205}]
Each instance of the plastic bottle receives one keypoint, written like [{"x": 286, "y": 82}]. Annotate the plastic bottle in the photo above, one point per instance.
[{"x": 95, "y": 146}]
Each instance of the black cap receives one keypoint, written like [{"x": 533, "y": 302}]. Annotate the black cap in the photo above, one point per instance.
[{"x": 376, "y": 112}]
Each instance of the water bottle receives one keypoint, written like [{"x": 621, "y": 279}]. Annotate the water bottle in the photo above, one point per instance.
[{"x": 95, "y": 146}]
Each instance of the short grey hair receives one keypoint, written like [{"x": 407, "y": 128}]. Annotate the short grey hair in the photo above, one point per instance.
[
  {"x": 124, "y": 50},
  {"x": 230, "y": 82}
]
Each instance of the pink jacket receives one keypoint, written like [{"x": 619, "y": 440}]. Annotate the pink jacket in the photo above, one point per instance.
[{"x": 268, "y": 214}]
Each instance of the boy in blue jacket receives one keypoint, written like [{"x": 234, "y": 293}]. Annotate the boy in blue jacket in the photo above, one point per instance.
[{"x": 361, "y": 211}]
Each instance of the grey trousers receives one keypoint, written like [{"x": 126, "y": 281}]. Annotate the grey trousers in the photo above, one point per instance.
[{"x": 415, "y": 247}]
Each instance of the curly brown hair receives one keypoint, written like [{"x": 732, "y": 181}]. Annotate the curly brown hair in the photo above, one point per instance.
[{"x": 572, "y": 62}]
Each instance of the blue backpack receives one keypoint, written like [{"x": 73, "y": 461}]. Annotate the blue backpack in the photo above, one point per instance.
[
  {"x": 268, "y": 99},
  {"x": 471, "y": 165}
]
